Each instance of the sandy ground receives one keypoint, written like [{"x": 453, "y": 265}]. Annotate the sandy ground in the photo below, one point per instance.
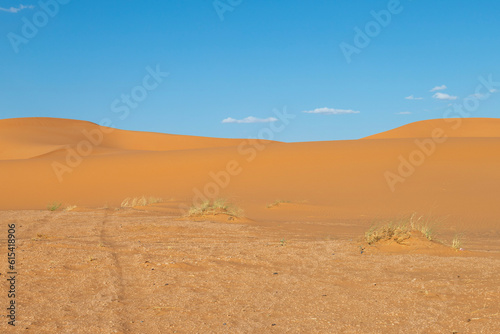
[
  {"x": 301, "y": 266},
  {"x": 131, "y": 271}
]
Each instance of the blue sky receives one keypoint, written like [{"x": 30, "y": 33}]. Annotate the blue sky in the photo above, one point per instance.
[{"x": 238, "y": 60}]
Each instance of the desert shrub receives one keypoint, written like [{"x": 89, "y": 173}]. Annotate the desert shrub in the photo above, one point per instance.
[{"x": 53, "y": 206}]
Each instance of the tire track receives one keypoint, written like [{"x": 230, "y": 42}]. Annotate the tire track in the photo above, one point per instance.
[
  {"x": 117, "y": 287},
  {"x": 126, "y": 274}
]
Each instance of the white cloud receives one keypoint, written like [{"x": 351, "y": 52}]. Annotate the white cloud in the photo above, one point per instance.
[
  {"x": 444, "y": 96},
  {"x": 331, "y": 111},
  {"x": 403, "y": 113},
  {"x": 493, "y": 90},
  {"x": 16, "y": 9},
  {"x": 438, "y": 88},
  {"x": 478, "y": 96},
  {"x": 249, "y": 119},
  {"x": 411, "y": 97}
]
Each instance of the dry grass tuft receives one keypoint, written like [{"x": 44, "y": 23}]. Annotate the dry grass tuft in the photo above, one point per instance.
[
  {"x": 401, "y": 230},
  {"x": 456, "y": 243},
  {"x": 70, "y": 208},
  {"x": 218, "y": 206},
  {"x": 276, "y": 203},
  {"x": 140, "y": 201}
]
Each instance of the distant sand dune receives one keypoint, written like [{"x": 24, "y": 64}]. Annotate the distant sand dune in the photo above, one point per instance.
[
  {"x": 456, "y": 127},
  {"x": 460, "y": 181},
  {"x": 24, "y": 138}
]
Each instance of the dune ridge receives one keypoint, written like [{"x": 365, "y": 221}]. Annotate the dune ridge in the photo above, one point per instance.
[
  {"x": 25, "y": 138},
  {"x": 453, "y": 127}
]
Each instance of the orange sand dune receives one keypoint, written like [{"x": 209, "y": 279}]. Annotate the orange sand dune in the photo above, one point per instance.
[
  {"x": 454, "y": 176},
  {"x": 454, "y": 127},
  {"x": 24, "y": 138}
]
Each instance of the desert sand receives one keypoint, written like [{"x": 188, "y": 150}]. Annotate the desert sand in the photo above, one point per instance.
[{"x": 301, "y": 265}]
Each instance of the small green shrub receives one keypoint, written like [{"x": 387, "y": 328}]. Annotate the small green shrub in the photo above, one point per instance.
[{"x": 53, "y": 206}]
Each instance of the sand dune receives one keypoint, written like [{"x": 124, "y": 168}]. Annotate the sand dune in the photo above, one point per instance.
[
  {"x": 454, "y": 127},
  {"x": 455, "y": 178},
  {"x": 24, "y": 138}
]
